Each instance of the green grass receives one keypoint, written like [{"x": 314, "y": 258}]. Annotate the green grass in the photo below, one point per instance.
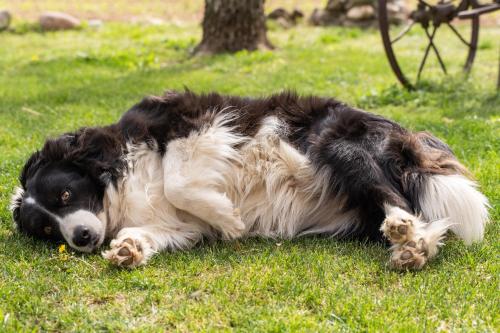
[{"x": 55, "y": 82}]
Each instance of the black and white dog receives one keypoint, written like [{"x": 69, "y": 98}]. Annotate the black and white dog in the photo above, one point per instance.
[{"x": 182, "y": 167}]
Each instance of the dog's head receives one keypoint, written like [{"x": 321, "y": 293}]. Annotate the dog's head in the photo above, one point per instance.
[{"x": 62, "y": 189}]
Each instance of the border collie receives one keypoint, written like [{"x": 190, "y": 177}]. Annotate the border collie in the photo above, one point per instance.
[{"x": 183, "y": 167}]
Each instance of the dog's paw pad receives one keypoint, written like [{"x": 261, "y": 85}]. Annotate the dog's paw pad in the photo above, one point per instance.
[
  {"x": 411, "y": 255},
  {"x": 398, "y": 230},
  {"x": 126, "y": 253}
]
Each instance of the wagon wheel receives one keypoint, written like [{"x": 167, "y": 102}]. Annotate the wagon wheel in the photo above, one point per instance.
[{"x": 429, "y": 17}]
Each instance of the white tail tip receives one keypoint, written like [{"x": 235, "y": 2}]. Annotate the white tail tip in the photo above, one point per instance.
[{"x": 456, "y": 197}]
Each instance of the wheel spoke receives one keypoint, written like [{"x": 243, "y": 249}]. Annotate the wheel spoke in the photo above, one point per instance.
[
  {"x": 443, "y": 67},
  {"x": 431, "y": 41},
  {"x": 427, "y": 14},
  {"x": 458, "y": 34},
  {"x": 424, "y": 59},
  {"x": 403, "y": 32}
]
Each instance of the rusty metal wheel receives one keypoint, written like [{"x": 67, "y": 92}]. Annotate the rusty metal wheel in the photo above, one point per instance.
[{"x": 428, "y": 18}]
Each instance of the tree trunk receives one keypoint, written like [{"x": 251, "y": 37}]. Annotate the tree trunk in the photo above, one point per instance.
[{"x": 233, "y": 25}]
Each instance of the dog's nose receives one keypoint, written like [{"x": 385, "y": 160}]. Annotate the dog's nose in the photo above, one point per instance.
[{"x": 82, "y": 236}]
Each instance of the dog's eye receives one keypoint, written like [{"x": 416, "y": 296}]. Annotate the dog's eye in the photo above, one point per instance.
[
  {"x": 65, "y": 196},
  {"x": 47, "y": 230}
]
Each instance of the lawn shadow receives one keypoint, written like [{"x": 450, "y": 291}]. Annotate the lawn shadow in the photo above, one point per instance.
[
  {"x": 346, "y": 256},
  {"x": 24, "y": 247},
  {"x": 240, "y": 253}
]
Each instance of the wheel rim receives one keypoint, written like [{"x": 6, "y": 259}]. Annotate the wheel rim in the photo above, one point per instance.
[{"x": 442, "y": 16}]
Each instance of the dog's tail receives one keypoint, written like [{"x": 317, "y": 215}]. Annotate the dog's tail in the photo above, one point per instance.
[
  {"x": 457, "y": 198},
  {"x": 439, "y": 188}
]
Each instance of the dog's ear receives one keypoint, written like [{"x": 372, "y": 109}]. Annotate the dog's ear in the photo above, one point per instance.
[
  {"x": 57, "y": 149},
  {"x": 30, "y": 167},
  {"x": 97, "y": 151},
  {"x": 34, "y": 162}
]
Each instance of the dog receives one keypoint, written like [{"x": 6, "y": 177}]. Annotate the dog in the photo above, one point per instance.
[{"x": 184, "y": 167}]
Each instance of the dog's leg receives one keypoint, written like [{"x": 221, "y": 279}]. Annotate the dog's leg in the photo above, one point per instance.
[
  {"x": 413, "y": 241},
  {"x": 195, "y": 170},
  {"x": 134, "y": 246},
  {"x": 207, "y": 204}
]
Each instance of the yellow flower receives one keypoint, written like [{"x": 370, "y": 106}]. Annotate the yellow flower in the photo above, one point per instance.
[
  {"x": 62, "y": 248},
  {"x": 35, "y": 57}
]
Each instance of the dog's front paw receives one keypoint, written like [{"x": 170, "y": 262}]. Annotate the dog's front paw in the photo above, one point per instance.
[
  {"x": 127, "y": 252},
  {"x": 235, "y": 227}
]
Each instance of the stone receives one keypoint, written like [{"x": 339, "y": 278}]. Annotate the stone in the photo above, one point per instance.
[
  {"x": 284, "y": 23},
  {"x": 393, "y": 8},
  {"x": 397, "y": 12},
  {"x": 355, "y": 3},
  {"x": 285, "y": 18},
  {"x": 297, "y": 14},
  {"x": 58, "y": 21},
  {"x": 154, "y": 21},
  {"x": 5, "y": 19},
  {"x": 335, "y": 5},
  {"x": 361, "y": 13},
  {"x": 316, "y": 17},
  {"x": 323, "y": 17},
  {"x": 277, "y": 13},
  {"x": 358, "y": 13},
  {"x": 95, "y": 23}
]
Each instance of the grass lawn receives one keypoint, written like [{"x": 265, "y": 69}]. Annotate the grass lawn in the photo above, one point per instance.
[{"x": 55, "y": 82}]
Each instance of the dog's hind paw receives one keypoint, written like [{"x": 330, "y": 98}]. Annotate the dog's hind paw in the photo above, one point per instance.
[
  {"x": 413, "y": 241},
  {"x": 411, "y": 255},
  {"x": 399, "y": 227},
  {"x": 127, "y": 252}
]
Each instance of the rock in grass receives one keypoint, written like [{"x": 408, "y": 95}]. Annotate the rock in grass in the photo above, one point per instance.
[
  {"x": 58, "y": 21},
  {"x": 360, "y": 13},
  {"x": 4, "y": 19},
  {"x": 95, "y": 23},
  {"x": 285, "y": 18},
  {"x": 357, "y": 3},
  {"x": 335, "y": 5}
]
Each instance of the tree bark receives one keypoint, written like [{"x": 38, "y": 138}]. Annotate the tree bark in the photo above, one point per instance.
[{"x": 233, "y": 25}]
